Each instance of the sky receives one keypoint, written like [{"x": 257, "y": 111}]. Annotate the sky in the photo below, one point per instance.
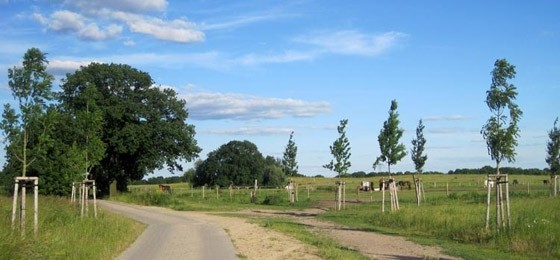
[{"x": 258, "y": 70}]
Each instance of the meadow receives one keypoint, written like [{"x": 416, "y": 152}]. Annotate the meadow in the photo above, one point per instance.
[
  {"x": 63, "y": 233},
  {"x": 452, "y": 215}
]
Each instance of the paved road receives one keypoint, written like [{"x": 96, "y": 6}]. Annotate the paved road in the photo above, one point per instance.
[{"x": 172, "y": 235}]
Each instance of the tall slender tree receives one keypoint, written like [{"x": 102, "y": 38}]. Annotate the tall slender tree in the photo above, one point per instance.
[
  {"x": 26, "y": 129},
  {"x": 419, "y": 159},
  {"x": 389, "y": 137},
  {"x": 340, "y": 151},
  {"x": 289, "y": 163},
  {"x": 501, "y": 130},
  {"x": 417, "y": 151},
  {"x": 553, "y": 149}
]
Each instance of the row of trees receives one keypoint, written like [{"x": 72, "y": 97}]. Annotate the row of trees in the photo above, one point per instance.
[
  {"x": 500, "y": 132},
  {"x": 109, "y": 121}
]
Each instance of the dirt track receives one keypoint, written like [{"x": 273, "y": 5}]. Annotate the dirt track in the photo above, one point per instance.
[{"x": 252, "y": 241}]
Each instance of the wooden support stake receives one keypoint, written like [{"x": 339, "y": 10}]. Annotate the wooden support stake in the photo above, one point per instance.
[{"x": 383, "y": 196}]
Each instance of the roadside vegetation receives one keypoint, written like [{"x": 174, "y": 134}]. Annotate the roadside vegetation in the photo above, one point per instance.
[
  {"x": 452, "y": 216},
  {"x": 63, "y": 234}
]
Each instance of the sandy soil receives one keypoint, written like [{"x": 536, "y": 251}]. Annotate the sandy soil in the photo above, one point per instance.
[{"x": 249, "y": 239}]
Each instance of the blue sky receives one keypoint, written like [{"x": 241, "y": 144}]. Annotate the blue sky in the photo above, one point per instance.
[{"x": 257, "y": 70}]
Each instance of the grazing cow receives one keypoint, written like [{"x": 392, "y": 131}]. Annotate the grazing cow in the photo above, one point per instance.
[
  {"x": 545, "y": 182},
  {"x": 487, "y": 182},
  {"x": 384, "y": 182},
  {"x": 515, "y": 182},
  {"x": 403, "y": 184},
  {"x": 165, "y": 188}
]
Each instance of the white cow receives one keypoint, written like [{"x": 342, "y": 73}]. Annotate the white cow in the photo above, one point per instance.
[{"x": 487, "y": 182}]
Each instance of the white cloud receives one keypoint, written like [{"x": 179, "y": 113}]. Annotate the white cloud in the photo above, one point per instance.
[
  {"x": 70, "y": 22},
  {"x": 88, "y": 15},
  {"x": 121, "y": 5},
  {"x": 129, "y": 42},
  {"x": 61, "y": 67},
  {"x": 93, "y": 32},
  {"x": 206, "y": 106},
  {"x": 62, "y": 21},
  {"x": 177, "y": 30},
  {"x": 250, "y": 130},
  {"x": 352, "y": 42}
]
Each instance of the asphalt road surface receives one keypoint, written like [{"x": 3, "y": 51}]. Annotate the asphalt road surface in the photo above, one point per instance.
[{"x": 172, "y": 235}]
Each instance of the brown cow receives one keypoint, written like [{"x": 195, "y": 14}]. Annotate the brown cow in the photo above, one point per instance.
[{"x": 165, "y": 188}]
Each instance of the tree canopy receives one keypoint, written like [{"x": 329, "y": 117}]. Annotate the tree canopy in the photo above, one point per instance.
[
  {"x": 237, "y": 163},
  {"x": 501, "y": 130},
  {"x": 417, "y": 151},
  {"x": 144, "y": 126},
  {"x": 553, "y": 149},
  {"x": 389, "y": 137},
  {"x": 340, "y": 150},
  {"x": 289, "y": 162}
]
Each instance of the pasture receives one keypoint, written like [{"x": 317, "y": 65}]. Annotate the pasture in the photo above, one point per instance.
[{"x": 452, "y": 215}]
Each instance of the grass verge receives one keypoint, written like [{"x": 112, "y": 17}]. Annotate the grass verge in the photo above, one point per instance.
[
  {"x": 328, "y": 248},
  {"x": 63, "y": 234}
]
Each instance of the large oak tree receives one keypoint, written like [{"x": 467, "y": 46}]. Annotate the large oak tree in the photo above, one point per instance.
[{"x": 144, "y": 126}]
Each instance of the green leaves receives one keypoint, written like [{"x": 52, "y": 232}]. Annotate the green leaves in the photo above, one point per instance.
[
  {"x": 289, "y": 163},
  {"x": 237, "y": 163},
  {"x": 501, "y": 130},
  {"x": 142, "y": 127},
  {"x": 417, "y": 150},
  {"x": 391, "y": 150},
  {"x": 340, "y": 151},
  {"x": 553, "y": 149}
]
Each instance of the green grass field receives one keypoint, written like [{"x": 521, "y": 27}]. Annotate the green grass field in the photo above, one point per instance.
[
  {"x": 452, "y": 216},
  {"x": 63, "y": 234}
]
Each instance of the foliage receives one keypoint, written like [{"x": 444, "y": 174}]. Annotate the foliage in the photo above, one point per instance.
[
  {"x": 553, "y": 149},
  {"x": 340, "y": 150},
  {"x": 26, "y": 129},
  {"x": 417, "y": 151},
  {"x": 239, "y": 163},
  {"x": 391, "y": 150},
  {"x": 289, "y": 162},
  {"x": 501, "y": 131},
  {"x": 144, "y": 127}
]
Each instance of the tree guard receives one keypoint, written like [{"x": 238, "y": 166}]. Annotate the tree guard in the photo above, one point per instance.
[
  {"x": 25, "y": 181},
  {"x": 499, "y": 180},
  {"x": 84, "y": 198}
]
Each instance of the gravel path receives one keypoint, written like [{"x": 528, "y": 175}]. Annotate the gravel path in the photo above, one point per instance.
[{"x": 173, "y": 235}]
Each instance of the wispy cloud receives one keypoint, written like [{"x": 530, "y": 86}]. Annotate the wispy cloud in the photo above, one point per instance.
[
  {"x": 237, "y": 22},
  {"x": 352, "y": 42},
  {"x": 133, "y": 6},
  {"x": 177, "y": 30},
  {"x": 250, "y": 130},
  {"x": 446, "y": 118},
  {"x": 288, "y": 56},
  {"x": 61, "y": 66},
  {"x": 208, "y": 106}
]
